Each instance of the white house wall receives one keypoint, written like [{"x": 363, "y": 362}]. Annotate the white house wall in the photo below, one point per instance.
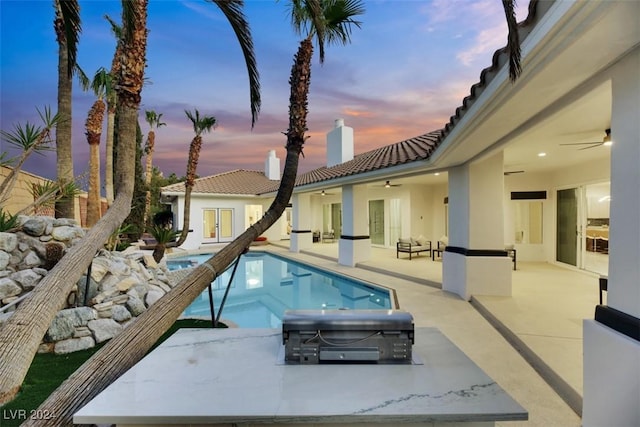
[
  {"x": 195, "y": 239},
  {"x": 573, "y": 176}
]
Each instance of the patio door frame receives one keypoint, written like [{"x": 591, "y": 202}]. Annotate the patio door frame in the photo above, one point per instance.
[{"x": 223, "y": 219}]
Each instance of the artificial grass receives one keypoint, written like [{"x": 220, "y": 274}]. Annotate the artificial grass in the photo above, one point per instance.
[{"x": 49, "y": 370}]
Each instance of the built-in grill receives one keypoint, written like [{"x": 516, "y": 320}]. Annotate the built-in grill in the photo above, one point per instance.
[{"x": 347, "y": 336}]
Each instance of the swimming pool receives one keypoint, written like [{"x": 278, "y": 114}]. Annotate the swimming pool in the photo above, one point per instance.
[{"x": 265, "y": 285}]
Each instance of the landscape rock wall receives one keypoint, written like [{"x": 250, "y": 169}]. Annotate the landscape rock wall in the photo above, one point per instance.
[{"x": 121, "y": 285}]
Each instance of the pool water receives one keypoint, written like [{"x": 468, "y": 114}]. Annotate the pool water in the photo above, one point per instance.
[{"x": 266, "y": 285}]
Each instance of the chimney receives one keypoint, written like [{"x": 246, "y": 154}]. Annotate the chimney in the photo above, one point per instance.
[
  {"x": 339, "y": 144},
  {"x": 272, "y": 166}
]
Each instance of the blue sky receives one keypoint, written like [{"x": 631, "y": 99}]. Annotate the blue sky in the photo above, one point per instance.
[{"x": 405, "y": 72}]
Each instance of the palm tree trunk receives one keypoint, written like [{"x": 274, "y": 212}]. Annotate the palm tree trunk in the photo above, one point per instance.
[
  {"x": 94, "y": 132},
  {"x": 108, "y": 161},
  {"x": 64, "y": 163},
  {"x": 21, "y": 334},
  {"x": 147, "y": 178},
  {"x": 192, "y": 165},
  {"x": 93, "y": 198},
  {"x": 126, "y": 349}
]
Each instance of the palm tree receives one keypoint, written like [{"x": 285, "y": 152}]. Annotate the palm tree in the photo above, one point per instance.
[
  {"x": 29, "y": 139},
  {"x": 112, "y": 100},
  {"x": 200, "y": 125},
  {"x": 21, "y": 334},
  {"x": 67, "y": 27},
  {"x": 154, "y": 122},
  {"x": 123, "y": 351},
  {"x": 100, "y": 85}
]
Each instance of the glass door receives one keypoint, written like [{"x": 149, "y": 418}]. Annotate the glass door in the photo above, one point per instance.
[
  {"x": 567, "y": 226},
  {"x": 217, "y": 225},
  {"x": 376, "y": 222}
]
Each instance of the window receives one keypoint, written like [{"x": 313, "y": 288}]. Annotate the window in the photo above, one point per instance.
[{"x": 528, "y": 222}]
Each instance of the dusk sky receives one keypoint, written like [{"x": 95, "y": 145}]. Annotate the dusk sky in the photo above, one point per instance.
[{"x": 405, "y": 72}]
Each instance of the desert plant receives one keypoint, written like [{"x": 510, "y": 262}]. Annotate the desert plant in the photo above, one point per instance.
[
  {"x": 8, "y": 222},
  {"x": 163, "y": 236}
]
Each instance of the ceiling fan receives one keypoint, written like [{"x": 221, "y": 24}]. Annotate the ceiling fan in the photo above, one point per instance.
[
  {"x": 593, "y": 144},
  {"x": 388, "y": 184},
  {"x": 324, "y": 193}
]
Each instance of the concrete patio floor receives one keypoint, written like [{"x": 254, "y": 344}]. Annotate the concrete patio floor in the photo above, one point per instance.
[{"x": 517, "y": 340}]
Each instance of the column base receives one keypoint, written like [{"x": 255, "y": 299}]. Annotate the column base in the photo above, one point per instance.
[
  {"x": 300, "y": 239},
  {"x": 468, "y": 275},
  {"x": 352, "y": 251}
]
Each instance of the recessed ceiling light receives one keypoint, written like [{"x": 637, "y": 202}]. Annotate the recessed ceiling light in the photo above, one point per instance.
[
  {"x": 437, "y": 173},
  {"x": 542, "y": 154}
]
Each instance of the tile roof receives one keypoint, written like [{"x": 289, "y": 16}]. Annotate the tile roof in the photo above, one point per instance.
[
  {"x": 237, "y": 181},
  {"x": 410, "y": 150},
  {"x": 414, "y": 149}
]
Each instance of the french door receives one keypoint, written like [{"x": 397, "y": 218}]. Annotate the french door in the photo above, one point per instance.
[
  {"x": 217, "y": 225},
  {"x": 376, "y": 221}
]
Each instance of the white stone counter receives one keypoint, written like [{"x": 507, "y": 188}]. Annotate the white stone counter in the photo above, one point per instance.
[{"x": 225, "y": 376}]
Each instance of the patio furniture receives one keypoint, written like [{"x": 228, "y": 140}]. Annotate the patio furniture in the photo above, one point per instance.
[
  {"x": 413, "y": 246},
  {"x": 328, "y": 235},
  {"x": 511, "y": 251},
  {"x": 442, "y": 245},
  {"x": 604, "y": 284},
  {"x": 316, "y": 236}
]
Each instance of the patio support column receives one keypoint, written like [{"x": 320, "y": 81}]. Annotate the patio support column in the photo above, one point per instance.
[
  {"x": 354, "y": 244},
  {"x": 301, "y": 237},
  {"x": 475, "y": 260},
  {"x": 611, "y": 341}
]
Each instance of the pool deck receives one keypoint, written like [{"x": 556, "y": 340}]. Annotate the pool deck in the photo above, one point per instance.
[{"x": 543, "y": 318}]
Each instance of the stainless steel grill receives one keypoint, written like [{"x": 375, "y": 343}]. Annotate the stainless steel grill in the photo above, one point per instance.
[{"x": 347, "y": 336}]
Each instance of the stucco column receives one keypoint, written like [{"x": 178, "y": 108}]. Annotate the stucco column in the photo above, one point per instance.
[
  {"x": 611, "y": 346},
  {"x": 475, "y": 261},
  {"x": 354, "y": 245},
  {"x": 301, "y": 237}
]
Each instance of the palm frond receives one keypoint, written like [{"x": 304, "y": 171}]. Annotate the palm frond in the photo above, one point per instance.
[
  {"x": 101, "y": 82},
  {"x": 232, "y": 10},
  {"x": 513, "y": 39},
  {"x": 70, "y": 14}
]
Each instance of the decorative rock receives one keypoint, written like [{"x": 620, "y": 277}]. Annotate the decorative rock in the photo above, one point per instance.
[
  {"x": 82, "y": 331},
  {"x": 126, "y": 284},
  {"x": 66, "y": 233},
  {"x": 4, "y": 317},
  {"x": 149, "y": 261},
  {"x": 46, "y": 238},
  {"x": 103, "y": 305},
  {"x": 4, "y": 260},
  {"x": 99, "y": 268},
  {"x": 119, "y": 299},
  {"x": 104, "y": 329},
  {"x": 135, "y": 305},
  {"x": 60, "y": 222},
  {"x": 105, "y": 313},
  {"x": 9, "y": 288},
  {"x": 31, "y": 260},
  {"x": 120, "y": 314},
  {"x": 74, "y": 344},
  {"x": 35, "y": 226},
  {"x": 154, "y": 294},
  {"x": 8, "y": 241},
  {"x": 82, "y": 286},
  {"x": 81, "y": 315},
  {"x": 62, "y": 326},
  {"x": 102, "y": 296},
  {"x": 46, "y": 347},
  {"x": 28, "y": 279}
]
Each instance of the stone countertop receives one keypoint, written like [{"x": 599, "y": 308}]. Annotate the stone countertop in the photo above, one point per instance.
[{"x": 237, "y": 376}]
